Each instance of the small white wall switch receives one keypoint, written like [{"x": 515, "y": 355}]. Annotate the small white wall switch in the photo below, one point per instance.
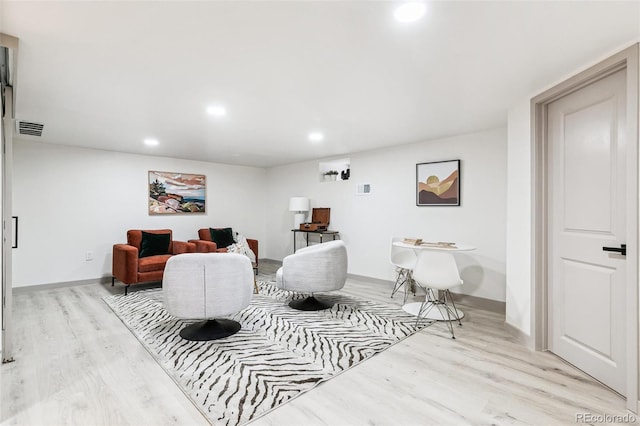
[
  {"x": 363, "y": 189},
  {"x": 89, "y": 256}
]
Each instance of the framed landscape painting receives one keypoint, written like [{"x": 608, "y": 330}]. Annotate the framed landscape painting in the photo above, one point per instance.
[
  {"x": 438, "y": 183},
  {"x": 172, "y": 193}
]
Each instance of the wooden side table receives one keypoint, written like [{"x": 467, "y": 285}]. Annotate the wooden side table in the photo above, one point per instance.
[{"x": 333, "y": 235}]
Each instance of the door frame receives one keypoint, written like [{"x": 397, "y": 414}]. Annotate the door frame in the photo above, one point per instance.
[
  {"x": 6, "y": 265},
  {"x": 6, "y": 169},
  {"x": 626, "y": 59}
]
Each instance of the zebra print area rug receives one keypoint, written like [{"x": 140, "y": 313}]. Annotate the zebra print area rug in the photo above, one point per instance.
[{"x": 278, "y": 354}]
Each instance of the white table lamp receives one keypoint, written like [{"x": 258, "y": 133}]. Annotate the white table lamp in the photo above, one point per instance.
[{"x": 300, "y": 205}]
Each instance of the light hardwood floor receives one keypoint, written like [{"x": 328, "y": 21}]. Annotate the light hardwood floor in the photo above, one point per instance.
[{"x": 77, "y": 364}]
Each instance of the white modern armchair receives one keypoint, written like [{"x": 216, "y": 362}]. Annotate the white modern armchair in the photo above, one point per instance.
[
  {"x": 205, "y": 287},
  {"x": 317, "y": 268}
]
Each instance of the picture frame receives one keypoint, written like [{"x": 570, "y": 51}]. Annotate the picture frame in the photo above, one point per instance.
[
  {"x": 176, "y": 193},
  {"x": 438, "y": 183}
]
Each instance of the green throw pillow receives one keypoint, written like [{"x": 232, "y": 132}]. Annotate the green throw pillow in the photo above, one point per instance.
[
  {"x": 223, "y": 237},
  {"x": 154, "y": 244}
]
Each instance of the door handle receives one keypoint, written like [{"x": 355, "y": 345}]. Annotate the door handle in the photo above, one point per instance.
[{"x": 622, "y": 249}]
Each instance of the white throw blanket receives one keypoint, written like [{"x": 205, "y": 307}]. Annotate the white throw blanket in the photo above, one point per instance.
[{"x": 241, "y": 246}]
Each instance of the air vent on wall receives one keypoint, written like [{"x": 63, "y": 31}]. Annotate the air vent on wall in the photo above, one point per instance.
[{"x": 29, "y": 129}]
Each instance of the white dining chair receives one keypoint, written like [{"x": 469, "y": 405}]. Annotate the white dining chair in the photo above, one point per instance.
[
  {"x": 436, "y": 272},
  {"x": 404, "y": 260}
]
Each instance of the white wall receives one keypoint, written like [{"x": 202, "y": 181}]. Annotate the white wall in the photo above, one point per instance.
[
  {"x": 366, "y": 223},
  {"x": 2, "y": 283},
  {"x": 519, "y": 217},
  {"x": 72, "y": 200}
]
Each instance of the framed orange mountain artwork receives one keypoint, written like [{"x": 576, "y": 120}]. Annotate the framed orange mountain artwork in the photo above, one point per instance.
[
  {"x": 171, "y": 193},
  {"x": 438, "y": 183}
]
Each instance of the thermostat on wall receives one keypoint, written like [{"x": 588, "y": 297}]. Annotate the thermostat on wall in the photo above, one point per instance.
[{"x": 363, "y": 189}]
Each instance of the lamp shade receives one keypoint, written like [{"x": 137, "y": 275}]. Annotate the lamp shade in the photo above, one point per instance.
[{"x": 299, "y": 204}]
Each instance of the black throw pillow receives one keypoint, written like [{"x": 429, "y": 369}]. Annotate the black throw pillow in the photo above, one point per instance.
[
  {"x": 223, "y": 237},
  {"x": 154, "y": 244}
]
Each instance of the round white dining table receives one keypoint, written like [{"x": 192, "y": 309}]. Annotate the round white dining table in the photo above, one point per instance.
[
  {"x": 434, "y": 246},
  {"x": 413, "y": 308}
]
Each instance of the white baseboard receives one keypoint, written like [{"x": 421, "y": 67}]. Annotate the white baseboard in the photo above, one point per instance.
[
  {"x": 490, "y": 305},
  {"x": 369, "y": 279},
  {"x": 519, "y": 336},
  {"x": 466, "y": 299},
  {"x": 101, "y": 280}
]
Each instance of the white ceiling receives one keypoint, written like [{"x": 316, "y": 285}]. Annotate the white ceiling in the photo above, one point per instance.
[{"x": 108, "y": 74}]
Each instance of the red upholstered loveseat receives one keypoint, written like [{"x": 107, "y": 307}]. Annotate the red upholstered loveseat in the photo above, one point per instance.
[
  {"x": 129, "y": 268},
  {"x": 206, "y": 245}
]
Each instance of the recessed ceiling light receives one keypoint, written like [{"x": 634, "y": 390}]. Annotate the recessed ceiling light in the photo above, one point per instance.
[
  {"x": 217, "y": 111},
  {"x": 316, "y": 136},
  {"x": 151, "y": 142},
  {"x": 410, "y": 12}
]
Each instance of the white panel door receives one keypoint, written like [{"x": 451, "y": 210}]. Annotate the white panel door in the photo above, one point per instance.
[{"x": 586, "y": 213}]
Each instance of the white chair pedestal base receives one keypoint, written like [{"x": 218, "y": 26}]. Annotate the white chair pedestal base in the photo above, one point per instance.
[
  {"x": 212, "y": 329},
  {"x": 310, "y": 304}
]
